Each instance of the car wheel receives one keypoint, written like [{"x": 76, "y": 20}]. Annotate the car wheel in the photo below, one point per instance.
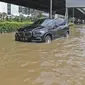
[
  {"x": 48, "y": 39},
  {"x": 17, "y": 39},
  {"x": 66, "y": 34}
]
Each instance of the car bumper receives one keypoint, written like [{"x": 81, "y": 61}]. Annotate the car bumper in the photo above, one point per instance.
[
  {"x": 21, "y": 37},
  {"x": 32, "y": 38},
  {"x": 37, "y": 39}
]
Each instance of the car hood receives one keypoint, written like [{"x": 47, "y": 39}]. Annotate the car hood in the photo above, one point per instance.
[{"x": 31, "y": 28}]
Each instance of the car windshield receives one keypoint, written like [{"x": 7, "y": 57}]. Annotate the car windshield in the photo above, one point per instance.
[
  {"x": 37, "y": 23},
  {"x": 48, "y": 23},
  {"x": 34, "y": 25}
]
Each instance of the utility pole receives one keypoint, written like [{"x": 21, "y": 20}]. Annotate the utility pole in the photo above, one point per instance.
[
  {"x": 73, "y": 15},
  {"x": 66, "y": 14},
  {"x": 50, "y": 13}
]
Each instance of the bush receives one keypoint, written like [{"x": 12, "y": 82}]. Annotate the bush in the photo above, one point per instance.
[{"x": 12, "y": 26}]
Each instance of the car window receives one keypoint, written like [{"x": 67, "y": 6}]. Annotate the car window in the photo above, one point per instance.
[
  {"x": 60, "y": 22},
  {"x": 48, "y": 23}
]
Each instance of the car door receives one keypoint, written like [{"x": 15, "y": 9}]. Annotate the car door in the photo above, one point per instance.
[
  {"x": 63, "y": 28},
  {"x": 53, "y": 28},
  {"x": 60, "y": 27},
  {"x": 55, "y": 32},
  {"x": 60, "y": 30}
]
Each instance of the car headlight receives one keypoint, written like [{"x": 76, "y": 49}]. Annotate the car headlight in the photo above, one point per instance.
[
  {"x": 38, "y": 33},
  {"x": 42, "y": 32},
  {"x": 35, "y": 33}
]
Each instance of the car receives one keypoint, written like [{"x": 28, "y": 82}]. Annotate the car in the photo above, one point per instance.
[{"x": 43, "y": 30}]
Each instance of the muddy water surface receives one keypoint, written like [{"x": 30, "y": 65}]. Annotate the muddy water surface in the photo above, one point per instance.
[{"x": 61, "y": 62}]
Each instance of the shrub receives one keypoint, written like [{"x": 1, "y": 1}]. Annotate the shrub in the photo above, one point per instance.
[{"x": 12, "y": 26}]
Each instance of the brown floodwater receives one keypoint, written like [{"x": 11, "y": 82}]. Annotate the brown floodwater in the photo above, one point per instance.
[{"x": 61, "y": 62}]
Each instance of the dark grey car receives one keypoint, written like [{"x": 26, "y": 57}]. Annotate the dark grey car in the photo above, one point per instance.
[{"x": 43, "y": 30}]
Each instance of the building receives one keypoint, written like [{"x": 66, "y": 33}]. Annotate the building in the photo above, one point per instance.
[
  {"x": 15, "y": 10},
  {"x": 24, "y": 10}
]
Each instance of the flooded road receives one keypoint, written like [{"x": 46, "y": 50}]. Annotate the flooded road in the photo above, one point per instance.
[{"x": 61, "y": 62}]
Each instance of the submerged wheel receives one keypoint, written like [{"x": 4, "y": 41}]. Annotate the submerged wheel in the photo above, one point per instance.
[
  {"x": 17, "y": 39},
  {"x": 48, "y": 39},
  {"x": 66, "y": 34}
]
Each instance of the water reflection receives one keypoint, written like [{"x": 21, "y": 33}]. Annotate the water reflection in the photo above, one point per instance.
[{"x": 61, "y": 62}]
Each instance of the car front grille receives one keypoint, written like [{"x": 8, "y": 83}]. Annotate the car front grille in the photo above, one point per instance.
[
  {"x": 28, "y": 34},
  {"x": 25, "y": 34},
  {"x": 21, "y": 34}
]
